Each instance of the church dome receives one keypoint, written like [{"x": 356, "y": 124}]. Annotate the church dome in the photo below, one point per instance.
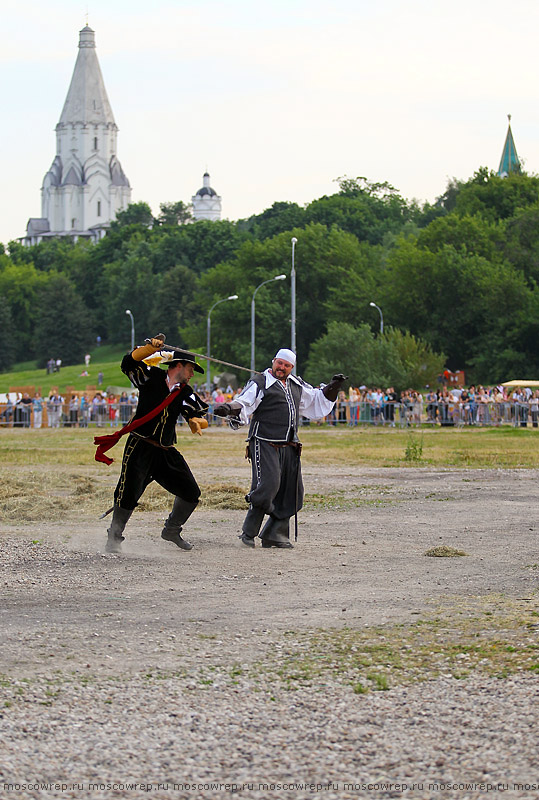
[
  {"x": 206, "y": 190},
  {"x": 206, "y": 202}
]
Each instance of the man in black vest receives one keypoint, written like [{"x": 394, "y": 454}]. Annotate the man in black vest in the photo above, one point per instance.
[
  {"x": 149, "y": 453},
  {"x": 274, "y": 402}
]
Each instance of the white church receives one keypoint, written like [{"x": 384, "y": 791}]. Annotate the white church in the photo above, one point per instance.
[
  {"x": 86, "y": 186},
  {"x": 206, "y": 202}
]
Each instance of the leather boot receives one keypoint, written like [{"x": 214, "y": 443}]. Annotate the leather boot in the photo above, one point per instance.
[
  {"x": 276, "y": 533},
  {"x": 181, "y": 511},
  {"x": 251, "y": 525},
  {"x": 120, "y": 518}
]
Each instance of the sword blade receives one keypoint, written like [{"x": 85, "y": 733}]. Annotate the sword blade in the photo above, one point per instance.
[{"x": 209, "y": 358}]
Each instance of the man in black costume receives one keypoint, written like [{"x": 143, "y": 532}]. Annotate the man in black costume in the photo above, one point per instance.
[
  {"x": 149, "y": 453},
  {"x": 274, "y": 402}
]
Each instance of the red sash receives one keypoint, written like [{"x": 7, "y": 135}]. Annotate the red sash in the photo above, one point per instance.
[{"x": 104, "y": 443}]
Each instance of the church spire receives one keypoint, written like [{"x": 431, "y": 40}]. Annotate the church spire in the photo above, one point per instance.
[
  {"x": 87, "y": 101},
  {"x": 509, "y": 161}
]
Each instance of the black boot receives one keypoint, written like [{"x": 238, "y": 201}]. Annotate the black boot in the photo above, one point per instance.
[
  {"x": 181, "y": 511},
  {"x": 276, "y": 533},
  {"x": 251, "y": 525},
  {"x": 120, "y": 518}
]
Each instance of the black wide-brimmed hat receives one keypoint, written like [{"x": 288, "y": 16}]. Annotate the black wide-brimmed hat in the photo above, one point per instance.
[{"x": 184, "y": 357}]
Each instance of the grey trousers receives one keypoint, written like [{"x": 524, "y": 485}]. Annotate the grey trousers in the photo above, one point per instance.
[{"x": 276, "y": 479}]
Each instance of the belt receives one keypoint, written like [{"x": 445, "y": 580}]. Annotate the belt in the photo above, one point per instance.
[
  {"x": 296, "y": 445},
  {"x": 155, "y": 444}
]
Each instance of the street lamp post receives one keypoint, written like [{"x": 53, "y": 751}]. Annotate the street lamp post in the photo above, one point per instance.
[
  {"x": 381, "y": 316},
  {"x": 270, "y": 280},
  {"x": 208, "y": 331},
  {"x": 293, "y": 301},
  {"x": 127, "y": 311}
]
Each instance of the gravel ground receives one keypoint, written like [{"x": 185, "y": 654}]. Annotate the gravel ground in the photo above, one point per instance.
[
  {"x": 153, "y": 667},
  {"x": 171, "y": 732}
]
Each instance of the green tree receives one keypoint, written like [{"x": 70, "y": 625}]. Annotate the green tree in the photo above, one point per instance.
[
  {"x": 130, "y": 284},
  {"x": 343, "y": 348},
  {"x": 280, "y": 217},
  {"x": 320, "y": 257},
  {"x": 50, "y": 254},
  {"x": 7, "y": 353},
  {"x": 19, "y": 287},
  {"x": 410, "y": 361},
  {"x": 465, "y": 234},
  {"x": 521, "y": 242},
  {"x": 134, "y": 214},
  {"x": 199, "y": 246},
  {"x": 448, "y": 200},
  {"x": 63, "y": 328},
  {"x": 459, "y": 303},
  {"x": 172, "y": 303},
  {"x": 395, "y": 358},
  {"x": 84, "y": 268},
  {"x": 173, "y": 214},
  {"x": 353, "y": 287},
  {"x": 368, "y": 210},
  {"x": 495, "y": 198}
]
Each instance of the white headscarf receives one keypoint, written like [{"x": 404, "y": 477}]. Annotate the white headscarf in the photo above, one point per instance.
[{"x": 286, "y": 355}]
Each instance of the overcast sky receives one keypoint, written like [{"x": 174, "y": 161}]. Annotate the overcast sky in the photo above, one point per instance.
[{"x": 275, "y": 99}]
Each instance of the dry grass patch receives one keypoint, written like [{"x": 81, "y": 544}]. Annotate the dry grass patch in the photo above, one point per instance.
[
  {"x": 352, "y": 497},
  {"x": 443, "y": 551},
  {"x": 36, "y": 495},
  {"x": 32, "y": 495},
  {"x": 222, "y": 496}
]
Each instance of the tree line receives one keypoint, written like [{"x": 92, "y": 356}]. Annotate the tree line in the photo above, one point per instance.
[{"x": 457, "y": 281}]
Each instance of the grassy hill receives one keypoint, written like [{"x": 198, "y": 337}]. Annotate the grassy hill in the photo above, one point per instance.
[{"x": 105, "y": 359}]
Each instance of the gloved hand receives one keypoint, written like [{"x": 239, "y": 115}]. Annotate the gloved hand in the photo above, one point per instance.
[
  {"x": 222, "y": 410},
  {"x": 233, "y": 414},
  {"x": 197, "y": 425},
  {"x": 331, "y": 390},
  {"x": 157, "y": 341},
  {"x": 151, "y": 347}
]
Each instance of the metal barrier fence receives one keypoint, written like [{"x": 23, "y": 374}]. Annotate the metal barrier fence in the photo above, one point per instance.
[
  {"x": 64, "y": 415},
  {"x": 443, "y": 414},
  {"x": 345, "y": 413}
]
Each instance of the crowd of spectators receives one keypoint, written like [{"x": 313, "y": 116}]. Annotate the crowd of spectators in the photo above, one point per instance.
[
  {"x": 78, "y": 410},
  {"x": 476, "y": 405}
]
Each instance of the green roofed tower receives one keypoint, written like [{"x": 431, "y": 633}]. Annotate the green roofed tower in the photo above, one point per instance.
[{"x": 509, "y": 161}]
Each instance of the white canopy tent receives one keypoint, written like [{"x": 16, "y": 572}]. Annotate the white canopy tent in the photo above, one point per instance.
[{"x": 521, "y": 383}]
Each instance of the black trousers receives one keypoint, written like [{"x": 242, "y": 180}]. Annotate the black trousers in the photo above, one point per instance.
[
  {"x": 275, "y": 472},
  {"x": 143, "y": 463}
]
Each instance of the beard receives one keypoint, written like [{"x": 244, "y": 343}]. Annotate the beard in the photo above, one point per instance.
[{"x": 280, "y": 373}]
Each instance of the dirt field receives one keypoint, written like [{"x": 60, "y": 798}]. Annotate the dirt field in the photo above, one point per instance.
[
  {"x": 359, "y": 563},
  {"x": 223, "y": 615}
]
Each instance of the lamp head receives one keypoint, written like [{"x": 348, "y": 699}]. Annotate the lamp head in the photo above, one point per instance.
[
  {"x": 294, "y": 240},
  {"x": 232, "y": 297},
  {"x": 373, "y": 305},
  {"x": 279, "y": 278}
]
